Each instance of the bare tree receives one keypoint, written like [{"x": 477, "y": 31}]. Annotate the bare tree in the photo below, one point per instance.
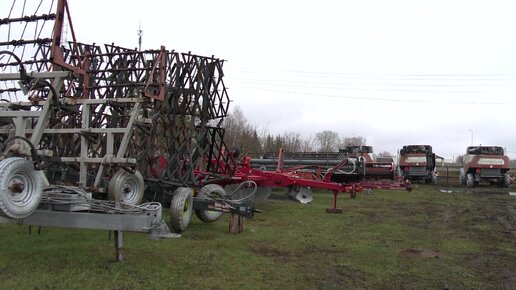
[
  {"x": 291, "y": 141},
  {"x": 327, "y": 140},
  {"x": 385, "y": 154},
  {"x": 354, "y": 141},
  {"x": 240, "y": 134},
  {"x": 459, "y": 159},
  {"x": 308, "y": 144}
]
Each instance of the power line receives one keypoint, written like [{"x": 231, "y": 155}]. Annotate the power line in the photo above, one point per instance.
[
  {"x": 371, "y": 75},
  {"x": 378, "y": 98},
  {"x": 351, "y": 88},
  {"x": 352, "y": 85}
]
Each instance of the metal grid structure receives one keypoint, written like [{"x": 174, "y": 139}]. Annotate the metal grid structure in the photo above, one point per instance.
[
  {"x": 107, "y": 122},
  {"x": 90, "y": 110},
  {"x": 82, "y": 123}
]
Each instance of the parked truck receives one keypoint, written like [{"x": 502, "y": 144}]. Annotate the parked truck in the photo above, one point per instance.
[
  {"x": 417, "y": 162},
  {"x": 485, "y": 163}
]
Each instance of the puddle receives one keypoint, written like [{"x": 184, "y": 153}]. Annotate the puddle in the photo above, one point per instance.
[{"x": 447, "y": 190}]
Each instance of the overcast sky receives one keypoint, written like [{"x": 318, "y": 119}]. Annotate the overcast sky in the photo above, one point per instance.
[{"x": 395, "y": 72}]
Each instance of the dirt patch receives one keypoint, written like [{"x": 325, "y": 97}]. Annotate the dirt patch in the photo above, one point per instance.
[
  {"x": 276, "y": 254},
  {"x": 421, "y": 253},
  {"x": 322, "y": 251}
]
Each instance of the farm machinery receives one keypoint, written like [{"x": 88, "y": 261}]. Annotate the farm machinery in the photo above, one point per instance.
[
  {"x": 485, "y": 163},
  {"x": 361, "y": 166},
  {"x": 376, "y": 168},
  {"x": 417, "y": 162},
  {"x": 89, "y": 132}
]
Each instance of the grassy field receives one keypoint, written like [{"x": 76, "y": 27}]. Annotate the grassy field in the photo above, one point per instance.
[{"x": 426, "y": 239}]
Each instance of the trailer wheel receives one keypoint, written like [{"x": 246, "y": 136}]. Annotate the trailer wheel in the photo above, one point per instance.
[
  {"x": 181, "y": 209},
  {"x": 210, "y": 191},
  {"x": 470, "y": 180},
  {"x": 126, "y": 187},
  {"x": 21, "y": 188},
  {"x": 462, "y": 177}
]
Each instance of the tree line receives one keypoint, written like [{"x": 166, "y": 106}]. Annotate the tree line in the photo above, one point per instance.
[{"x": 239, "y": 133}]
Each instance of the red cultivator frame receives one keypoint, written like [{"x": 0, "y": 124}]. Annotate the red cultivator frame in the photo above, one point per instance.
[
  {"x": 299, "y": 187},
  {"x": 354, "y": 164}
]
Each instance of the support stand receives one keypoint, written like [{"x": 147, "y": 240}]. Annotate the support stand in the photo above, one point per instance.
[
  {"x": 236, "y": 223},
  {"x": 334, "y": 209},
  {"x": 119, "y": 242}
]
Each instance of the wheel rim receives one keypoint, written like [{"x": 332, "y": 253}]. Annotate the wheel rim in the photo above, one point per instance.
[
  {"x": 21, "y": 188},
  {"x": 210, "y": 191},
  {"x": 130, "y": 190},
  {"x": 186, "y": 209},
  {"x": 126, "y": 187}
]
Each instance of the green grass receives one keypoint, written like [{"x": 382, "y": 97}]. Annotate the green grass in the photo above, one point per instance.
[{"x": 469, "y": 242}]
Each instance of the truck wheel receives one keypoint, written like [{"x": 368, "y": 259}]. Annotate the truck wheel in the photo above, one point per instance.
[
  {"x": 181, "y": 209},
  {"x": 210, "y": 191},
  {"x": 470, "y": 180},
  {"x": 462, "y": 177},
  {"x": 20, "y": 188}
]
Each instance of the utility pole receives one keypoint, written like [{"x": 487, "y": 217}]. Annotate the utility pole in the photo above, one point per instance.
[
  {"x": 140, "y": 33},
  {"x": 471, "y": 136}
]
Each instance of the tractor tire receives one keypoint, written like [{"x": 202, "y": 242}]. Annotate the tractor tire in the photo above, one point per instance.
[
  {"x": 506, "y": 180},
  {"x": 433, "y": 178},
  {"x": 462, "y": 177},
  {"x": 210, "y": 191},
  {"x": 126, "y": 187},
  {"x": 181, "y": 209},
  {"x": 470, "y": 180},
  {"x": 21, "y": 188},
  {"x": 399, "y": 172}
]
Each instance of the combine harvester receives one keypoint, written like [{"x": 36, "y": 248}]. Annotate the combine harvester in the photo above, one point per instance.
[
  {"x": 88, "y": 132},
  {"x": 485, "y": 163},
  {"x": 417, "y": 162}
]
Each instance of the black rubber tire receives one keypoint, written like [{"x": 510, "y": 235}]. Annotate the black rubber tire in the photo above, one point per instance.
[
  {"x": 433, "y": 178},
  {"x": 122, "y": 181},
  {"x": 401, "y": 173},
  {"x": 506, "y": 180},
  {"x": 470, "y": 180},
  {"x": 18, "y": 205},
  {"x": 209, "y": 191},
  {"x": 181, "y": 209},
  {"x": 462, "y": 177}
]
